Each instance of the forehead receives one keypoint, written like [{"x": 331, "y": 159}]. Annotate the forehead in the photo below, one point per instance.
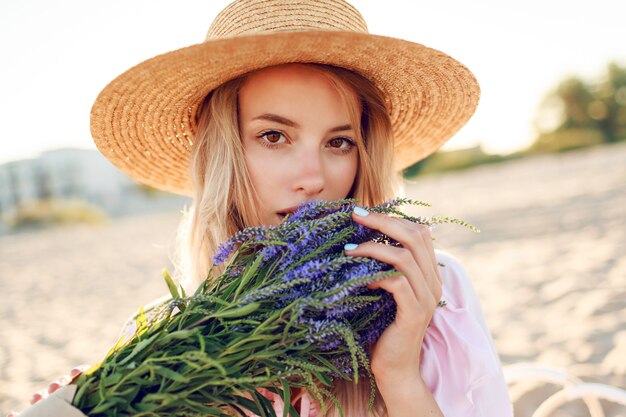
[{"x": 288, "y": 86}]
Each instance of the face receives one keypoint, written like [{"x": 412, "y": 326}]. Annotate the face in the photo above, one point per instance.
[{"x": 298, "y": 140}]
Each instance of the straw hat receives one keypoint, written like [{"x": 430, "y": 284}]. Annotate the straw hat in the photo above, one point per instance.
[{"x": 144, "y": 121}]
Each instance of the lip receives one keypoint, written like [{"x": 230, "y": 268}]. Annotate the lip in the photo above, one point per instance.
[{"x": 286, "y": 211}]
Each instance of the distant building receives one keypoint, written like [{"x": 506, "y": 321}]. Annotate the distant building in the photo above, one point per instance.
[{"x": 78, "y": 174}]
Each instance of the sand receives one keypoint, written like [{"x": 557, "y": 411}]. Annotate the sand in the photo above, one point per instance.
[{"x": 549, "y": 266}]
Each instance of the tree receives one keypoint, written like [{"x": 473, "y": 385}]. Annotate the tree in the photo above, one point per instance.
[{"x": 581, "y": 113}]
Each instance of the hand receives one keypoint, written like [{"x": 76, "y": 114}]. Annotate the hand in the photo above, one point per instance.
[
  {"x": 395, "y": 358},
  {"x": 54, "y": 385}
]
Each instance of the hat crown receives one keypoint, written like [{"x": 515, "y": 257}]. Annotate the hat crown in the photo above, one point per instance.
[{"x": 248, "y": 17}]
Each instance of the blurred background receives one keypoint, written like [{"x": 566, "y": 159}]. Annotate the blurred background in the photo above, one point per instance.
[{"x": 540, "y": 169}]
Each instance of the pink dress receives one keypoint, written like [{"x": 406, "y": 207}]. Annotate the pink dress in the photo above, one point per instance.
[{"x": 459, "y": 362}]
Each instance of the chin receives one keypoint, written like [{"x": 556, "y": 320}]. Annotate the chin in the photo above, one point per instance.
[{"x": 273, "y": 220}]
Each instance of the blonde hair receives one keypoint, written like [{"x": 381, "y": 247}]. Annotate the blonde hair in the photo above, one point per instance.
[{"x": 224, "y": 199}]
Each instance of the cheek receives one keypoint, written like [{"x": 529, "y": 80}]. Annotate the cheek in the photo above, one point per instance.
[
  {"x": 263, "y": 170},
  {"x": 343, "y": 174}
]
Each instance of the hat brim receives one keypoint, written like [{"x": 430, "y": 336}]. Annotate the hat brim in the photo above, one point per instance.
[{"x": 144, "y": 121}]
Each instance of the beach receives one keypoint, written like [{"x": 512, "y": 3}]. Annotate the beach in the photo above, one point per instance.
[{"x": 549, "y": 266}]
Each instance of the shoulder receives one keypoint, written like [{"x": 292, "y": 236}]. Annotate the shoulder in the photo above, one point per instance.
[
  {"x": 450, "y": 266},
  {"x": 457, "y": 284}
]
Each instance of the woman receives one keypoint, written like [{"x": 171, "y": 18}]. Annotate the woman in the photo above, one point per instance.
[{"x": 289, "y": 101}]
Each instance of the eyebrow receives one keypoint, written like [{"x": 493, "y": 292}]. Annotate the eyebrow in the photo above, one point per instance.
[{"x": 283, "y": 120}]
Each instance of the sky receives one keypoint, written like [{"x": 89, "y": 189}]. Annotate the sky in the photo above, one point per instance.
[{"x": 58, "y": 55}]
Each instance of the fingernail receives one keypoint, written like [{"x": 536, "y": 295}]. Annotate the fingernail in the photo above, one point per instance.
[
  {"x": 361, "y": 211},
  {"x": 350, "y": 246}
]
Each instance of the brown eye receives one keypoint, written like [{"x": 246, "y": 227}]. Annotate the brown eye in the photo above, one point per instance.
[
  {"x": 343, "y": 144},
  {"x": 336, "y": 142},
  {"x": 273, "y": 137}
]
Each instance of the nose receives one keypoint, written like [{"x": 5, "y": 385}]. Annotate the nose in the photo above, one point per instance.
[{"x": 310, "y": 177}]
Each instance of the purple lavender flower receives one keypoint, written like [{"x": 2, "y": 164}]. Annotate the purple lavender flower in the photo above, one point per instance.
[
  {"x": 249, "y": 235},
  {"x": 306, "y": 267}
]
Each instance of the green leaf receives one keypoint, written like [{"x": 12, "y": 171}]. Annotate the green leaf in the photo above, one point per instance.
[
  {"x": 178, "y": 335},
  {"x": 289, "y": 406},
  {"x": 324, "y": 379},
  {"x": 139, "y": 347},
  {"x": 286, "y": 396},
  {"x": 141, "y": 323},
  {"x": 248, "y": 274},
  {"x": 246, "y": 403},
  {"x": 237, "y": 312},
  {"x": 265, "y": 406},
  {"x": 170, "y": 284},
  {"x": 109, "y": 402},
  {"x": 168, "y": 373},
  {"x": 205, "y": 409}
]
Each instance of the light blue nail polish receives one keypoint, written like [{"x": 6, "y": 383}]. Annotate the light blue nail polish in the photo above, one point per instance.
[
  {"x": 361, "y": 211},
  {"x": 350, "y": 246}
]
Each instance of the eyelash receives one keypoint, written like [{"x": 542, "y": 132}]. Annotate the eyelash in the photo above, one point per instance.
[{"x": 261, "y": 139}]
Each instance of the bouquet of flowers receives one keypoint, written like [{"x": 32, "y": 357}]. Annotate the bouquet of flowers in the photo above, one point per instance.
[{"x": 289, "y": 310}]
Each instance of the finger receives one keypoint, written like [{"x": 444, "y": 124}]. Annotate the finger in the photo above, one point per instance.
[
  {"x": 409, "y": 312},
  {"x": 424, "y": 232},
  {"x": 384, "y": 224},
  {"x": 13, "y": 414},
  {"x": 424, "y": 252},
  {"x": 79, "y": 370},
  {"x": 402, "y": 260},
  {"x": 410, "y": 235},
  {"x": 58, "y": 383},
  {"x": 38, "y": 396}
]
